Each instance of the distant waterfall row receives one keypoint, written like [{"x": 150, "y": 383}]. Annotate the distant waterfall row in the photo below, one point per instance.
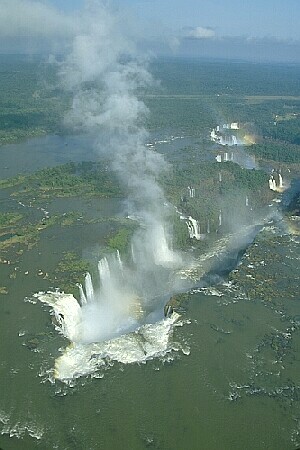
[
  {"x": 194, "y": 228},
  {"x": 213, "y": 224},
  {"x": 224, "y": 157},
  {"x": 221, "y": 134},
  {"x": 276, "y": 182},
  {"x": 191, "y": 192},
  {"x": 89, "y": 294}
]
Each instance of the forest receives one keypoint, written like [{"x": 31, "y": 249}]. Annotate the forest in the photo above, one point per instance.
[{"x": 191, "y": 98}]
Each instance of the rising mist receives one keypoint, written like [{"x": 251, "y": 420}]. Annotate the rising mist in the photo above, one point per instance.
[{"x": 104, "y": 71}]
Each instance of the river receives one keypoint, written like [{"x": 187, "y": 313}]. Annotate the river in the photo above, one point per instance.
[{"x": 229, "y": 378}]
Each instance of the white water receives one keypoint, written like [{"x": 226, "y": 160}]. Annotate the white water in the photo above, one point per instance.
[
  {"x": 120, "y": 313},
  {"x": 234, "y": 140},
  {"x": 129, "y": 328},
  {"x": 208, "y": 227},
  {"x": 194, "y": 228},
  {"x": 272, "y": 183},
  {"x": 191, "y": 192},
  {"x": 146, "y": 342}
]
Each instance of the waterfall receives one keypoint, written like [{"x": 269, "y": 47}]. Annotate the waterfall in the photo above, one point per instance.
[
  {"x": 225, "y": 157},
  {"x": 104, "y": 271},
  {"x": 89, "y": 290},
  {"x": 272, "y": 183},
  {"x": 234, "y": 140},
  {"x": 191, "y": 192},
  {"x": 163, "y": 255},
  {"x": 82, "y": 295},
  {"x": 220, "y": 219},
  {"x": 280, "y": 180},
  {"x": 208, "y": 227},
  {"x": 133, "y": 253},
  {"x": 119, "y": 261},
  {"x": 247, "y": 201},
  {"x": 219, "y": 158},
  {"x": 194, "y": 228},
  {"x": 220, "y": 177}
]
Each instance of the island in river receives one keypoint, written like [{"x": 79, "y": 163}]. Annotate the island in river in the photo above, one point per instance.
[{"x": 229, "y": 378}]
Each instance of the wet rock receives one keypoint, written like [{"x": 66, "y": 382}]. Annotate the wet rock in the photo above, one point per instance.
[
  {"x": 219, "y": 329},
  {"x": 32, "y": 344}
]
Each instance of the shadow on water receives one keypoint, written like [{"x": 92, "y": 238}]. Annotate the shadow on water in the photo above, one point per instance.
[
  {"x": 291, "y": 195},
  {"x": 231, "y": 258}
]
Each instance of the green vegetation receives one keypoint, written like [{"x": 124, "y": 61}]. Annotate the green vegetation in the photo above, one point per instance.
[
  {"x": 204, "y": 77},
  {"x": 191, "y": 99},
  {"x": 9, "y": 219},
  {"x": 85, "y": 179},
  {"x": 26, "y": 235},
  {"x": 121, "y": 239},
  {"x": 285, "y": 128},
  {"x": 70, "y": 272},
  {"x": 68, "y": 180},
  {"x": 211, "y": 195},
  {"x": 30, "y": 103},
  {"x": 16, "y": 237},
  {"x": 274, "y": 151},
  {"x": 195, "y": 96}
]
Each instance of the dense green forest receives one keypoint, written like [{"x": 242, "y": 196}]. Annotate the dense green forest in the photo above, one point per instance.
[
  {"x": 276, "y": 151},
  {"x": 239, "y": 196},
  {"x": 237, "y": 78},
  {"x": 31, "y": 104},
  {"x": 68, "y": 180},
  {"x": 192, "y": 97}
]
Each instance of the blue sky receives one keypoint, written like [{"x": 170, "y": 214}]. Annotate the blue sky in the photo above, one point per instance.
[
  {"x": 260, "y": 30},
  {"x": 259, "y": 18}
]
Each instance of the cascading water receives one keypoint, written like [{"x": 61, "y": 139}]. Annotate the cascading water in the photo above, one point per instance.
[
  {"x": 272, "y": 183},
  {"x": 194, "y": 228},
  {"x": 208, "y": 227},
  {"x": 280, "y": 181},
  {"x": 120, "y": 298},
  {"x": 191, "y": 192},
  {"x": 234, "y": 140},
  {"x": 89, "y": 290}
]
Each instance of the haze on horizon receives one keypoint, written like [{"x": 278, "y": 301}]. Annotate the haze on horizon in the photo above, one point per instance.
[{"x": 256, "y": 31}]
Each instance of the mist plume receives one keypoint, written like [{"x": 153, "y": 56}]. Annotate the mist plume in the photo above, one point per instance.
[{"x": 104, "y": 72}]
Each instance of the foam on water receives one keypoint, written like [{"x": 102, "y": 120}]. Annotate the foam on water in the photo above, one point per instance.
[
  {"x": 20, "y": 429},
  {"x": 147, "y": 342}
]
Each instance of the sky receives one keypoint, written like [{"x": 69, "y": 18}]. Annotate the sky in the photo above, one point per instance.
[{"x": 259, "y": 30}]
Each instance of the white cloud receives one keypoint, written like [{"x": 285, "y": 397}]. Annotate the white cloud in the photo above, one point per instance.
[
  {"x": 30, "y": 18},
  {"x": 201, "y": 33}
]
